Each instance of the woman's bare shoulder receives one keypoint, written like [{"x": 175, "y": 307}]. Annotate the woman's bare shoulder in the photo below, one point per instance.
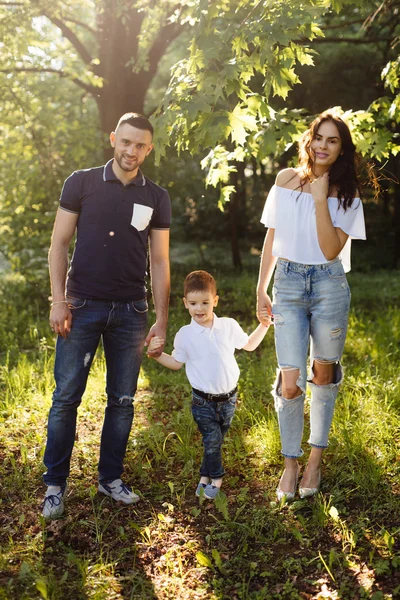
[{"x": 288, "y": 178}]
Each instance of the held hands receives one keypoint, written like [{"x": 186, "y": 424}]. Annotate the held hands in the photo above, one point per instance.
[
  {"x": 158, "y": 331},
  {"x": 264, "y": 317},
  {"x": 264, "y": 309},
  {"x": 60, "y": 319},
  {"x": 320, "y": 188},
  {"x": 156, "y": 343}
]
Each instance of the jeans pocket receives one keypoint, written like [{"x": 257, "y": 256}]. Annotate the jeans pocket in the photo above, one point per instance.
[
  {"x": 198, "y": 401},
  {"x": 140, "y": 306},
  {"x": 336, "y": 271},
  {"x": 232, "y": 401},
  {"x": 75, "y": 303}
]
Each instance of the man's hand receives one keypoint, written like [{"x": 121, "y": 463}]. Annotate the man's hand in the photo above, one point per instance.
[
  {"x": 60, "y": 319},
  {"x": 158, "y": 331}
]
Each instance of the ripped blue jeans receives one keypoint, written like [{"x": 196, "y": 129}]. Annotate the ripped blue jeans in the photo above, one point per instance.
[
  {"x": 310, "y": 307},
  {"x": 122, "y": 327},
  {"x": 213, "y": 420}
]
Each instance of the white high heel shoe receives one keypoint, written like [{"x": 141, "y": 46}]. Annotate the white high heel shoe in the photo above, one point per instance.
[
  {"x": 288, "y": 496},
  {"x": 307, "y": 492}
]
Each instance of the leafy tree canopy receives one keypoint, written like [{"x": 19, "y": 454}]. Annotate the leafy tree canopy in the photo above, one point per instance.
[
  {"x": 110, "y": 48},
  {"x": 229, "y": 95}
]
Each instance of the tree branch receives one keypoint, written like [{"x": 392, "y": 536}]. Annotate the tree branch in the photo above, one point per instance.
[
  {"x": 165, "y": 37},
  {"x": 82, "y": 24},
  {"x": 72, "y": 37},
  {"x": 344, "y": 24},
  {"x": 32, "y": 70},
  {"x": 91, "y": 89},
  {"x": 350, "y": 40}
]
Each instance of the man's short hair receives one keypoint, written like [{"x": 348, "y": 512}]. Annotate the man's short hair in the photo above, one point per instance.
[
  {"x": 199, "y": 281},
  {"x": 136, "y": 120}
]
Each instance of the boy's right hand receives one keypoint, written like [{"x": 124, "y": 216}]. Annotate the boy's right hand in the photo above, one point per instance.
[
  {"x": 264, "y": 317},
  {"x": 264, "y": 309},
  {"x": 155, "y": 343}
]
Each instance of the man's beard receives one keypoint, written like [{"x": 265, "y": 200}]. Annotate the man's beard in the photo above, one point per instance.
[{"x": 134, "y": 165}]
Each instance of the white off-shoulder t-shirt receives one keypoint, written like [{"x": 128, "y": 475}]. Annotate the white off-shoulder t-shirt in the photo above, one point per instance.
[{"x": 292, "y": 214}]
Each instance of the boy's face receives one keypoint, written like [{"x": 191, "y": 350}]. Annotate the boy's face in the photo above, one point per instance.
[{"x": 200, "y": 306}]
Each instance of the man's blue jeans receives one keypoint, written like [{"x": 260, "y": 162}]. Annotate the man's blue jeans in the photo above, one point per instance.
[
  {"x": 213, "y": 420},
  {"x": 122, "y": 326}
]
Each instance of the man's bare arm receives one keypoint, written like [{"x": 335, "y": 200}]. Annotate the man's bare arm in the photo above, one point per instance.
[
  {"x": 64, "y": 228},
  {"x": 160, "y": 283}
]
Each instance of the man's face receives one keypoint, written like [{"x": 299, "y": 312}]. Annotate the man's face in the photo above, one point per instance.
[{"x": 131, "y": 146}]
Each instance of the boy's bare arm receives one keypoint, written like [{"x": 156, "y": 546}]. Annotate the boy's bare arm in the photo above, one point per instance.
[
  {"x": 164, "y": 359},
  {"x": 256, "y": 337}
]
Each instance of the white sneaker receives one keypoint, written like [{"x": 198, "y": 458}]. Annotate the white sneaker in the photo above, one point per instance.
[
  {"x": 53, "y": 504},
  {"x": 119, "y": 491}
]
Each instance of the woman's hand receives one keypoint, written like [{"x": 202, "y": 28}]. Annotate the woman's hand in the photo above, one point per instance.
[
  {"x": 320, "y": 188},
  {"x": 264, "y": 309}
]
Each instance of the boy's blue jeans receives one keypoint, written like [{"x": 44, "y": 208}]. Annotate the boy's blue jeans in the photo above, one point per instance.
[
  {"x": 213, "y": 420},
  {"x": 122, "y": 326}
]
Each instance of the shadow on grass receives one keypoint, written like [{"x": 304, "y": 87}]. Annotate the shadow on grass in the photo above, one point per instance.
[{"x": 245, "y": 546}]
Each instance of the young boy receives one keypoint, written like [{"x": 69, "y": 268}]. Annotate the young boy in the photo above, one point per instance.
[{"x": 207, "y": 347}]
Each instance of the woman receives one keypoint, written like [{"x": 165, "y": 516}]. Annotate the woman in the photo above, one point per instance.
[{"x": 312, "y": 212}]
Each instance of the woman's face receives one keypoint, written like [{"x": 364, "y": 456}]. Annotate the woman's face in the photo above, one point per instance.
[{"x": 326, "y": 146}]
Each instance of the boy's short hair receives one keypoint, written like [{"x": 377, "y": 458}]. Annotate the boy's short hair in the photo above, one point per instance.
[{"x": 199, "y": 281}]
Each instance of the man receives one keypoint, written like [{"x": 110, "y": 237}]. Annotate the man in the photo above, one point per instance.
[{"x": 115, "y": 211}]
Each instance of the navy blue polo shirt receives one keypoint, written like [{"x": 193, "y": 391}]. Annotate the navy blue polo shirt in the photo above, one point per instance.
[{"x": 110, "y": 256}]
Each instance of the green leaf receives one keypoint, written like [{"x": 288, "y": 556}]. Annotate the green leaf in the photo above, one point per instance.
[
  {"x": 41, "y": 586},
  {"x": 304, "y": 55},
  {"x": 203, "y": 560},
  {"x": 225, "y": 196},
  {"x": 217, "y": 558},
  {"x": 241, "y": 123},
  {"x": 221, "y": 502}
]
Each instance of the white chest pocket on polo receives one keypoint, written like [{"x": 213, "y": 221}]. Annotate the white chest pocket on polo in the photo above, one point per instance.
[{"x": 141, "y": 216}]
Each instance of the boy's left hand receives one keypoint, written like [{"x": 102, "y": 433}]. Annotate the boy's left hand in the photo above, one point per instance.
[{"x": 156, "y": 342}]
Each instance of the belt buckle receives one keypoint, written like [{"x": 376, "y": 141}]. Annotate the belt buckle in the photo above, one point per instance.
[{"x": 213, "y": 397}]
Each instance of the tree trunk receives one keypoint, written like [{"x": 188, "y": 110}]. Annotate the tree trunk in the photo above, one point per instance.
[
  {"x": 237, "y": 200},
  {"x": 396, "y": 215},
  {"x": 125, "y": 82},
  {"x": 114, "y": 102}
]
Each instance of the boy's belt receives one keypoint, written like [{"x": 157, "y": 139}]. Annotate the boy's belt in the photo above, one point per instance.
[{"x": 215, "y": 397}]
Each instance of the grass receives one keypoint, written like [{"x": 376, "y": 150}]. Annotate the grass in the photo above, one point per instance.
[{"x": 344, "y": 543}]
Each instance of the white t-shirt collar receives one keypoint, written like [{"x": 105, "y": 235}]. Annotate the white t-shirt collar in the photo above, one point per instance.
[{"x": 200, "y": 329}]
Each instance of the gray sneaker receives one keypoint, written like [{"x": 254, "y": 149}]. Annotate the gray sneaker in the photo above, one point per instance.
[
  {"x": 119, "y": 491},
  {"x": 211, "y": 491},
  {"x": 53, "y": 504},
  {"x": 201, "y": 486}
]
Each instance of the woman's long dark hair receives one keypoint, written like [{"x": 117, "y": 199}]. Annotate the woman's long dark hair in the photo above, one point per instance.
[{"x": 343, "y": 174}]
